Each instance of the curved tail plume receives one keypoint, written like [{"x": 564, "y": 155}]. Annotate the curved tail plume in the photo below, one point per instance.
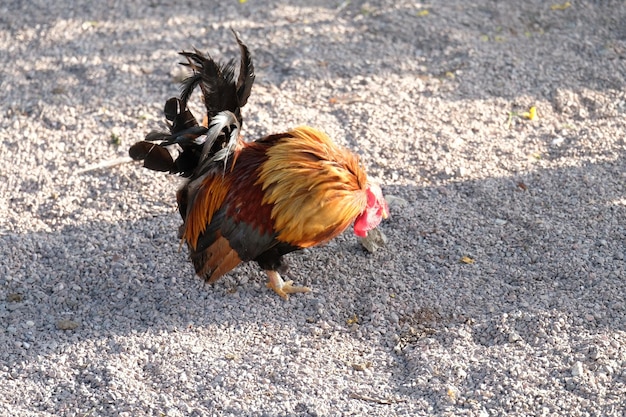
[
  {"x": 187, "y": 144},
  {"x": 179, "y": 150},
  {"x": 217, "y": 81}
]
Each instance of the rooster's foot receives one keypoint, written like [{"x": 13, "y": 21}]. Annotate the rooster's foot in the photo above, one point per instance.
[{"x": 281, "y": 287}]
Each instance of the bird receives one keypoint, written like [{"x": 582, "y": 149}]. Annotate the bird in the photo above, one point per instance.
[{"x": 254, "y": 201}]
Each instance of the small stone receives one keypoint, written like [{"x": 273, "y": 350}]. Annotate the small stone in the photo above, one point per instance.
[
  {"x": 15, "y": 297},
  {"x": 66, "y": 324},
  {"x": 594, "y": 353},
  {"x": 374, "y": 240},
  {"x": 514, "y": 337},
  {"x": 361, "y": 366},
  {"x": 316, "y": 331},
  {"x": 577, "y": 369},
  {"x": 558, "y": 141},
  {"x": 393, "y": 317},
  {"x": 394, "y": 201}
]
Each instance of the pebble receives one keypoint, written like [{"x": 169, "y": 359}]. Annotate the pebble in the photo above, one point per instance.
[
  {"x": 374, "y": 240},
  {"x": 514, "y": 337},
  {"x": 396, "y": 202},
  {"x": 577, "y": 369},
  {"x": 66, "y": 325},
  {"x": 558, "y": 141}
]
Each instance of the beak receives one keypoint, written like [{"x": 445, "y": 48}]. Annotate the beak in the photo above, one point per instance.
[{"x": 385, "y": 212}]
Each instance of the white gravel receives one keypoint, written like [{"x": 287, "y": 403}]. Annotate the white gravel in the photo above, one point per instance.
[{"x": 501, "y": 289}]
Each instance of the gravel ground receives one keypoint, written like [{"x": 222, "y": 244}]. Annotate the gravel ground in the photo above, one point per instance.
[{"x": 501, "y": 289}]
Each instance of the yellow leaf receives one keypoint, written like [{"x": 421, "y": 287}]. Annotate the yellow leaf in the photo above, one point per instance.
[
  {"x": 531, "y": 114},
  {"x": 423, "y": 12},
  {"x": 467, "y": 260},
  {"x": 562, "y": 6},
  {"x": 353, "y": 320}
]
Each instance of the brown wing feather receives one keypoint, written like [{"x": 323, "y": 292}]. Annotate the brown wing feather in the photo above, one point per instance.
[
  {"x": 206, "y": 196},
  {"x": 216, "y": 260}
]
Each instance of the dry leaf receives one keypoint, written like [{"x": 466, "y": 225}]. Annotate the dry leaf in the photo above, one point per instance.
[
  {"x": 561, "y": 6},
  {"x": 531, "y": 114}
]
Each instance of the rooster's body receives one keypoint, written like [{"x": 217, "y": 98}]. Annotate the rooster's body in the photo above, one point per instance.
[{"x": 254, "y": 201}]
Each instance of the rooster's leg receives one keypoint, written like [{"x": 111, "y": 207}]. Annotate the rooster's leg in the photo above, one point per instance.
[{"x": 281, "y": 287}]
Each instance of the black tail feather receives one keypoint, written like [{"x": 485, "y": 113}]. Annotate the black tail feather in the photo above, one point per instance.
[
  {"x": 217, "y": 81},
  {"x": 154, "y": 157},
  {"x": 180, "y": 150},
  {"x": 246, "y": 74}
]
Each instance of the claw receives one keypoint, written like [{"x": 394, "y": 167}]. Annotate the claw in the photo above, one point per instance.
[{"x": 281, "y": 287}]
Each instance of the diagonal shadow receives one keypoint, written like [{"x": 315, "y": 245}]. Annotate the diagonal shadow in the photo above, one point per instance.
[{"x": 94, "y": 275}]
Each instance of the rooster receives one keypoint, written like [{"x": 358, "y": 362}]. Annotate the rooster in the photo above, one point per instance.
[{"x": 254, "y": 201}]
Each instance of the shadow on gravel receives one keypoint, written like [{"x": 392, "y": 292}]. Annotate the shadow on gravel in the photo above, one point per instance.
[{"x": 541, "y": 254}]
